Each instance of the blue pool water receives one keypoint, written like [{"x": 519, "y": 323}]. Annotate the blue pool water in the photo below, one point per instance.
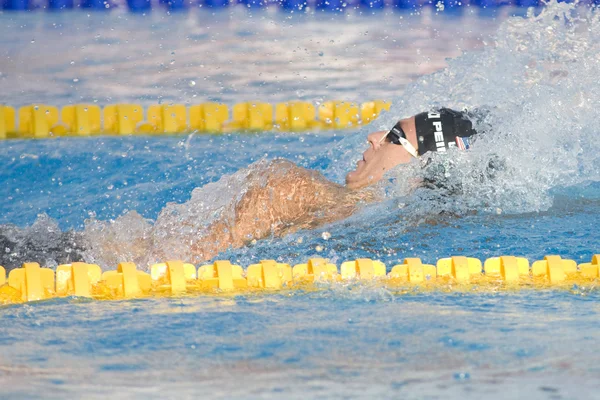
[
  {"x": 342, "y": 343},
  {"x": 537, "y": 75}
]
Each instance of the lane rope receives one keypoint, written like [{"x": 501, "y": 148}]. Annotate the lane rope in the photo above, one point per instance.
[
  {"x": 38, "y": 121},
  {"x": 177, "y": 278}
]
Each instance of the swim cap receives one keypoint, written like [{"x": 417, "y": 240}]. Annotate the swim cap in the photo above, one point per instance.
[{"x": 443, "y": 129}]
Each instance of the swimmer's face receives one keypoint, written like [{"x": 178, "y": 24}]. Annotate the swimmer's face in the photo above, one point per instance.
[{"x": 380, "y": 157}]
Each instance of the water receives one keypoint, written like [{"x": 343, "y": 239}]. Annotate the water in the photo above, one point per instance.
[
  {"x": 72, "y": 57},
  {"x": 536, "y": 75},
  {"x": 336, "y": 344}
]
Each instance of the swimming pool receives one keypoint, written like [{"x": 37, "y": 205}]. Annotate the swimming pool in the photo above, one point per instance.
[{"x": 347, "y": 340}]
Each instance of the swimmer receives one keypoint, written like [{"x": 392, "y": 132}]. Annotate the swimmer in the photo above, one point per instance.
[
  {"x": 278, "y": 198},
  {"x": 285, "y": 198}
]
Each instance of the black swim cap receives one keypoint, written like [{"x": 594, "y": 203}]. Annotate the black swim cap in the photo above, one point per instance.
[{"x": 443, "y": 129}]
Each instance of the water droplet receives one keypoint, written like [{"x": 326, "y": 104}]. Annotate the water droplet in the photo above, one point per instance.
[
  {"x": 321, "y": 54},
  {"x": 326, "y": 235},
  {"x": 192, "y": 83},
  {"x": 462, "y": 376}
]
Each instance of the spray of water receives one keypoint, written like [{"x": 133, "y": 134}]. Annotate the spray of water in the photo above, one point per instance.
[{"x": 538, "y": 81}]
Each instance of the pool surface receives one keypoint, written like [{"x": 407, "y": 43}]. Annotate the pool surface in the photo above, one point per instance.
[{"x": 537, "y": 76}]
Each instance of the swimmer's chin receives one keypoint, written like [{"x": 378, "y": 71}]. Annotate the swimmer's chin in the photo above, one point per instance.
[
  {"x": 356, "y": 184},
  {"x": 350, "y": 182}
]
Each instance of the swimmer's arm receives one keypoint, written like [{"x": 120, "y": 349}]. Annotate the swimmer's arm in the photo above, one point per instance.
[
  {"x": 293, "y": 198},
  {"x": 283, "y": 199}
]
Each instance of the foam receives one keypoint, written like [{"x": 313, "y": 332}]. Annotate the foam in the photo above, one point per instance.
[{"x": 539, "y": 80}]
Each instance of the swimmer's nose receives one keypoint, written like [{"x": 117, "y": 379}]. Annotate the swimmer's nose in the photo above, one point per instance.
[{"x": 374, "y": 139}]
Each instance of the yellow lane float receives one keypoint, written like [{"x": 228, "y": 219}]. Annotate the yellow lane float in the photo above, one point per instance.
[
  {"x": 40, "y": 121},
  {"x": 175, "y": 278}
]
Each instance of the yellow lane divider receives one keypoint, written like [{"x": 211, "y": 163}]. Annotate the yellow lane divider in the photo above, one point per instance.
[
  {"x": 32, "y": 283},
  {"x": 42, "y": 121}
]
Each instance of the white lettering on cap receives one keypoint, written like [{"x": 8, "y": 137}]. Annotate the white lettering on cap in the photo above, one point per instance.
[{"x": 439, "y": 133}]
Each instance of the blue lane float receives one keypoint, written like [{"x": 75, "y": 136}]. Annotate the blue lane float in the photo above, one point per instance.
[
  {"x": 57, "y": 5},
  {"x": 528, "y": 3},
  {"x": 406, "y": 4},
  {"x": 95, "y": 4},
  {"x": 293, "y": 5},
  {"x": 453, "y": 5},
  {"x": 335, "y": 6},
  {"x": 373, "y": 4},
  {"x": 216, "y": 3},
  {"x": 139, "y": 6},
  {"x": 15, "y": 5},
  {"x": 493, "y": 3},
  {"x": 254, "y": 3},
  {"x": 175, "y": 5}
]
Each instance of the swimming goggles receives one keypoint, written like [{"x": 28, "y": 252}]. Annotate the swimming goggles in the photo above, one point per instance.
[{"x": 397, "y": 136}]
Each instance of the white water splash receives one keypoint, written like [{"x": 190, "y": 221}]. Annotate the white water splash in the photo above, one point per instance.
[
  {"x": 539, "y": 79},
  {"x": 177, "y": 227}
]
